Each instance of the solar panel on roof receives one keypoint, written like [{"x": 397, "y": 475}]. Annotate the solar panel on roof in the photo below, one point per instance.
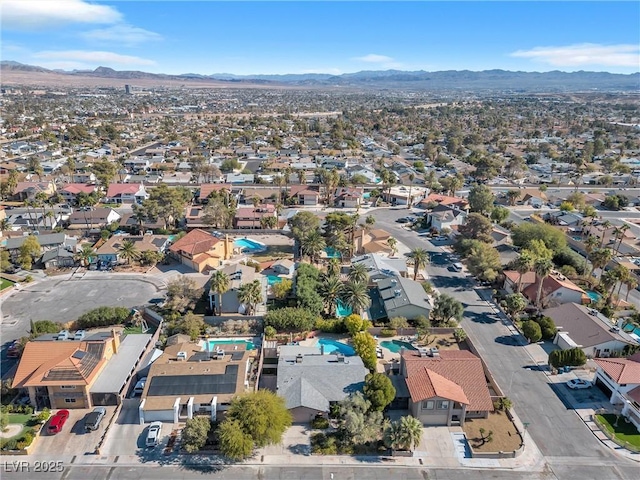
[
  {"x": 193, "y": 384},
  {"x": 235, "y": 356},
  {"x": 79, "y": 354}
]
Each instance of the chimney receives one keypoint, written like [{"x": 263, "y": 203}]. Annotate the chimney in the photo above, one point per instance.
[{"x": 115, "y": 342}]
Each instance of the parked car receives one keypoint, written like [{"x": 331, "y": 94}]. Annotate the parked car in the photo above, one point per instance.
[
  {"x": 578, "y": 383},
  {"x": 139, "y": 388},
  {"x": 57, "y": 421},
  {"x": 93, "y": 420},
  {"x": 153, "y": 434},
  {"x": 14, "y": 350}
]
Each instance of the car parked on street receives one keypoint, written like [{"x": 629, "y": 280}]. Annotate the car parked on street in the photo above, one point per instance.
[
  {"x": 578, "y": 383},
  {"x": 92, "y": 421},
  {"x": 57, "y": 421}
]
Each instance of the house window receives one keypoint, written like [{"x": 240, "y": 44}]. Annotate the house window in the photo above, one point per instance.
[
  {"x": 428, "y": 405},
  {"x": 68, "y": 387},
  {"x": 69, "y": 400},
  {"x": 443, "y": 405}
]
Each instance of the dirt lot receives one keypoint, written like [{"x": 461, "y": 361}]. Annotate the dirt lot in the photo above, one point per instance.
[
  {"x": 505, "y": 435},
  {"x": 443, "y": 342}
]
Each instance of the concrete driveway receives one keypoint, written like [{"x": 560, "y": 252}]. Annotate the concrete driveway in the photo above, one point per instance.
[
  {"x": 126, "y": 436},
  {"x": 73, "y": 439},
  {"x": 297, "y": 440}
]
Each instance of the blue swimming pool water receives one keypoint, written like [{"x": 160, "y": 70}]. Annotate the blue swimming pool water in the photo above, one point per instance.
[
  {"x": 213, "y": 343},
  {"x": 343, "y": 310},
  {"x": 332, "y": 253},
  {"x": 395, "y": 345},
  {"x": 273, "y": 279},
  {"x": 332, "y": 346},
  {"x": 594, "y": 296},
  {"x": 248, "y": 244}
]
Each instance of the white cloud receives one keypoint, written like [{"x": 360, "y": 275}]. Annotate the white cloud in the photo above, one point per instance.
[
  {"x": 33, "y": 14},
  {"x": 90, "y": 58},
  {"x": 585, "y": 54},
  {"x": 374, "y": 58},
  {"x": 123, "y": 34}
]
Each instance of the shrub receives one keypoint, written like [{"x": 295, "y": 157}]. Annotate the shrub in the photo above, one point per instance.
[
  {"x": 547, "y": 327},
  {"x": 270, "y": 332},
  {"x": 320, "y": 423},
  {"x": 502, "y": 404},
  {"x": 43, "y": 416},
  {"x": 332, "y": 325},
  {"x": 322, "y": 444},
  {"x": 573, "y": 357},
  {"x": 103, "y": 317},
  {"x": 398, "y": 323},
  {"x": 290, "y": 319},
  {"x": 10, "y": 444},
  {"x": 388, "y": 332},
  {"x": 532, "y": 331}
]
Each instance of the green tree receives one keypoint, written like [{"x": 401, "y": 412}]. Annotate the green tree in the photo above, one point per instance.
[
  {"x": 270, "y": 332},
  {"x": 41, "y": 327},
  {"x": 356, "y": 296},
  {"x": 499, "y": 214},
  {"x": 149, "y": 257},
  {"x": 543, "y": 268},
  {"x": 532, "y": 331},
  {"x": 234, "y": 442},
  {"x": 282, "y": 288},
  {"x": 420, "y": 258},
  {"x": 379, "y": 390},
  {"x": 192, "y": 325},
  {"x": 355, "y": 323},
  {"x": 365, "y": 346},
  {"x": 29, "y": 251},
  {"x": 515, "y": 303},
  {"x": 330, "y": 290},
  {"x": 481, "y": 199},
  {"x": 393, "y": 245},
  {"x": 403, "y": 434},
  {"x": 513, "y": 196},
  {"x": 446, "y": 308},
  {"x": 290, "y": 319},
  {"x": 477, "y": 227},
  {"x": 358, "y": 273},
  {"x": 523, "y": 264},
  {"x": 358, "y": 421},
  {"x": 460, "y": 335},
  {"x": 182, "y": 293},
  {"x": 251, "y": 295},
  {"x": 194, "y": 434},
  {"x": 484, "y": 262},
  {"x": 303, "y": 223},
  {"x": 129, "y": 251},
  {"x": 553, "y": 238},
  {"x": 398, "y": 323},
  {"x": 105, "y": 172}
]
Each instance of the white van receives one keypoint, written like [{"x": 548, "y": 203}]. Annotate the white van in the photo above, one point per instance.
[{"x": 457, "y": 267}]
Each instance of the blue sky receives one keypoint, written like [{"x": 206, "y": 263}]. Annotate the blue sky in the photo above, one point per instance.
[{"x": 322, "y": 37}]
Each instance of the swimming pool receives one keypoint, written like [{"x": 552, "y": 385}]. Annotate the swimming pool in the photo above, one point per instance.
[
  {"x": 343, "y": 310},
  {"x": 214, "y": 342},
  {"x": 273, "y": 279},
  {"x": 332, "y": 346},
  {"x": 395, "y": 345},
  {"x": 594, "y": 296},
  {"x": 332, "y": 252},
  {"x": 249, "y": 245}
]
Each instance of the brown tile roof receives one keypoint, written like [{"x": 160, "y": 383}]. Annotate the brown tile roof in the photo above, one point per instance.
[
  {"x": 207, "y": 188},
  {"x": 195, "y": 242},
  {"x": 621, "y": 370},
  {"x": 550, "y": 285},
  {"x": 527, "y": 278},
  {"x": 461, "y": 368}
]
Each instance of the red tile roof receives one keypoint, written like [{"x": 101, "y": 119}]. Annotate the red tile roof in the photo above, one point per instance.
[
  {"x": 207, "y": 188},
  {"x": 442, "y": 374},
  {"x": 195, "y": 242},
  {"x": 76, "y": 188},
  {"x": 621, "y": 370},
  {"x": 116, "y": 189},
  {"x": 550, "y": 285}
]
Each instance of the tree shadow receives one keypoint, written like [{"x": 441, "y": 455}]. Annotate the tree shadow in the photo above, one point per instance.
[
  {"x": 300, "y": 449},
  {"x": 484, "y": 318},
  {"x": 508, "y": 340}
]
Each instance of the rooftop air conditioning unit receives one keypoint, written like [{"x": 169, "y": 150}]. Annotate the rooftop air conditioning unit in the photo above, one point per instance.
[
  {"x": 181, "y": 356},
  {"x": 423, "y": 351},
  {"x": 394, "y": 282},
  {"x": 397, "y": 292}
]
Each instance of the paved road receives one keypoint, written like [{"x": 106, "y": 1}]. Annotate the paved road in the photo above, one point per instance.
[{"x": 557, "y": 431}]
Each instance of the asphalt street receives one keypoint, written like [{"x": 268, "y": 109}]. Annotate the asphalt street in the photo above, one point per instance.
[{"x": 557, "y": 430}]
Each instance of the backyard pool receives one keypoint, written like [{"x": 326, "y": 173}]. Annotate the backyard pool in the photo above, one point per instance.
[
  {"x": 248, "y": 245},
  {"x": 273, "y": 279},
  {"x": 343, "y": 310},
  {"x": 332, "y": 346},
  {"x": 594, "y": 296},
  {"x": 332, "y": 252},
  {"x": 214, "y": 342},
  {"x": 395, "y": 345}
]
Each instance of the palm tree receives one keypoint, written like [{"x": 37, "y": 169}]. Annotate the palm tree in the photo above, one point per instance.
[
  {"x": 220, "y": 284},
  {"x": 353, "y": 224},
  {"x": 606, "y": 225},
  {"x": 420, "y": 259},
  {"x": 330, "y": 290},
  {"x": 333, "y": 267},
  {"x": 85, "y": 254},
  {"x": 356, "y": 296},
  {"x": 600, "y": 258},
  {"x": 542, "y": 267},
  {"x": 5, "y": 224},
  {"x": 608, "y": 280},
  {"x": 313, "y": 245},
  {"x": 523, "y": 264},
  {"x": 250, "y": 294},
  {"x": 404, "y": 434},
  {"x": 619, "y": 232},
  {"x": 369, "y": 222},
  {"x": 412, "y": 177},
  {"x": 256, "y": 201},
  {"x": 590, "y": 244},
  {"x": 302, "y": 177},
  {"x": 631, "y": 284},
  {"x": 512, "y": 196},
  {"x": 393, "y": 245},
  {"x": 128, "y": 251},
  {"x": 358, "y": 273}
]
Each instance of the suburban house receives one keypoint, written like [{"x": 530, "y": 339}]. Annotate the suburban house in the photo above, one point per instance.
[
  {"x": 251, "y": 217},
  {"x": 400, "y": 297},
  {"x": 348, "y": 197},
  {"x": 304, "y": 195},
  {"x": 70, "y": 191},
  {"x": 586, "y": 328},
  {"x": 28, "y": 190},
  {"x": 48, "y": 242},
  {"x": 533, "y": 197},
  {"x": 619, "y": 378},
  {"x": 239, "y": 275},
  {"x": 379, "y": 267},
  {"x": 444, "y": 216},
  {"x": 58, "y": 257},
  {"x": 372, "y": 241},
  {"x": 126, "y": 193},
  {"x": 188, "y": 379},
  {"x": 207, "y": 189},
  {"x": 283, "y": 266},
  {"x": 556, "y": 288},
  {"x": 435, "y": 199},
  {"x": 402, "y": 195},
  {"x": 201, "y": 251},
  {"x": 110, "y": 250},
  {"x": 79, "y": 373},
  {"x": 310, "y": 381},
  {"x": 96, "y": 218},
  {"x": 445, "y": 388}
]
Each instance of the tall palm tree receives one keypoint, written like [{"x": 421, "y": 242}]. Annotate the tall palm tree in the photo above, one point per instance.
[
  {"x": 590, "y": 244},
  {"x": 330, "y": 290},
  {"x": 542, "y": 267},
  {"x": 412, "y": 177},
  {"x": 608, "y": 280},
  {"x": 220, "y": 284},
  {"x": 523, "y": 264},
  {"x": 606, "y": 225},
  {"x": 353, "y": 224},
  {"x": 393, "y": 245},
  {"x": 256, "y": 201},
  {"x": 302, "y": 177},
  {"x": 356, "y": 296},
  {"x": 313, "y": 245},
  {"x": 333, "y": 267},
  {"x": 600, "y": 258},
  {"x": 404, "y": 434},
  {"x": 358, "y": 273},
  {"x": 620, "y": 231},
  {"x": 631, "y": 284},
  {"x": 129, "y": 251},
  {"x": 85, "y": 254},
  {"x": 250, "y": 294},
  {"x": 420, "y": 259}
]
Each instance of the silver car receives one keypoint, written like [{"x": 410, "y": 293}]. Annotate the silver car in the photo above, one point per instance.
[{"x": 153, "y": 434}]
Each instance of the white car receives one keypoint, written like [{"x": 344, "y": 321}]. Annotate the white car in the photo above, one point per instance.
[
  {"x": 578, "y": 383},
  {"x": 153, "y": 435}
]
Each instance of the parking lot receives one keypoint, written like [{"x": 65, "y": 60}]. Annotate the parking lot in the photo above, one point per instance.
[{"x": 73, "y": 439}]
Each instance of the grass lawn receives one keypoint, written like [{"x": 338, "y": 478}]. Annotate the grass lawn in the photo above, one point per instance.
[
  {"x": 4, "y": 283},
  {"x": 132, "y": 330},
  {"x": 625, "y": 432},
  {"x": 21, "y": 419}
]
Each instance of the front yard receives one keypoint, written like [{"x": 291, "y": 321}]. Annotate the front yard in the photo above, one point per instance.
[
  {"x": 4, "y": 283},
  {"x": 624, "y": 432},
  {"x": 505, "y": 437}
]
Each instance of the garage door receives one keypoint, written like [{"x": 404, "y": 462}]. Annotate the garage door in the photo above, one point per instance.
[
  {"x": 158, "y": 416},
  {"x": 104, "y": 399},
  {"x": 605, "y": 389}
]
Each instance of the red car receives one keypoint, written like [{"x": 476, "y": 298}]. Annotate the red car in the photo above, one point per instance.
[{"x": 57, "y": 422}]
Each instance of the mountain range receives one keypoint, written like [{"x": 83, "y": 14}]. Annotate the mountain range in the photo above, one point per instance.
[{"x": 462, "y": 80}]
